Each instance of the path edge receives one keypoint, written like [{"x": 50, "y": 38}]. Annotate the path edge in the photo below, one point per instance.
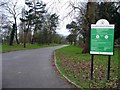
[{"x": 71, "y": 82}]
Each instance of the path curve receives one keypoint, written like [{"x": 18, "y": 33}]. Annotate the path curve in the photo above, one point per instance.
[{"x": 31, "y": 69}]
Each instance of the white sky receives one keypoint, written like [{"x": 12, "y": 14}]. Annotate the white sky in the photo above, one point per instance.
[
  {"x": 56, "y": 6},
  {"x": 61, "y": 8}
]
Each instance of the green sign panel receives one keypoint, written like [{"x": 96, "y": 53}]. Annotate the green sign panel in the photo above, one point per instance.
[{"x": 102, "y": 40}]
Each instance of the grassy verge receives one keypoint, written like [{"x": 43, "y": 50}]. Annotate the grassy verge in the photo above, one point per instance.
[
  {"x": 7, "y": 48},
  {"x": 76, "y": 66}
]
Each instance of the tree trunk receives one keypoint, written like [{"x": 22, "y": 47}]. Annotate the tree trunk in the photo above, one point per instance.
[
  {"x": 75, "y": 42},
  {"x": 12, "y": 35},
  {"x": 33, "y": 38},
  {"x": 90, "y": 15},
  {"x": 87, "y": 43},
  {"x": 16, "y": 30},
  {"x": 16, "y": 37},
  {"x": 25, "y": 36}
]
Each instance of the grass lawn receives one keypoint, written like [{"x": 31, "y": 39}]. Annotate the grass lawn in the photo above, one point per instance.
[
  {"x": 76, "y": 66},
  {"x": 7, "y": 48}
]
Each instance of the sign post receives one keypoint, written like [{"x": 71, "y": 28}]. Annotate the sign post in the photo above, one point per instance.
[
  {"x": 108, "y": 76},
  {"x": 92, "y": 66},
  {"x": 102, "y": 41}
]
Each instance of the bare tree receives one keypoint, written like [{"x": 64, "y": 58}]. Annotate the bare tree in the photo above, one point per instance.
[
  {"x": 13, "y": 10},
  {"x": 85, "y": 16},
  {"x": 90, "y": 18}
]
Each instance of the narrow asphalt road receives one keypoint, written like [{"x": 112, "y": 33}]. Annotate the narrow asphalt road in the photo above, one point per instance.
[{"x": 30, "y": 69}]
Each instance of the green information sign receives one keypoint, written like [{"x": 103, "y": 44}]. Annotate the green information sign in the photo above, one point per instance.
[{"x": 102, "y": 38}]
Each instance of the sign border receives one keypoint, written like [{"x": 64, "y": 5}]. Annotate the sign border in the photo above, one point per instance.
[{"x": 95, "y": 26}]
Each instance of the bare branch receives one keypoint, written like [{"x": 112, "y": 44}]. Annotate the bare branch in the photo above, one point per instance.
[{"x": 9, "y": 9}]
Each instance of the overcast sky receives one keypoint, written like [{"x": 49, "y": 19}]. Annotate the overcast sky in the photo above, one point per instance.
[{"x": 61, "y": 7}]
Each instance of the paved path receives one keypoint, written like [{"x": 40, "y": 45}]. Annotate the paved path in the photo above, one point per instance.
[{"x": 31, "y": 69}]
